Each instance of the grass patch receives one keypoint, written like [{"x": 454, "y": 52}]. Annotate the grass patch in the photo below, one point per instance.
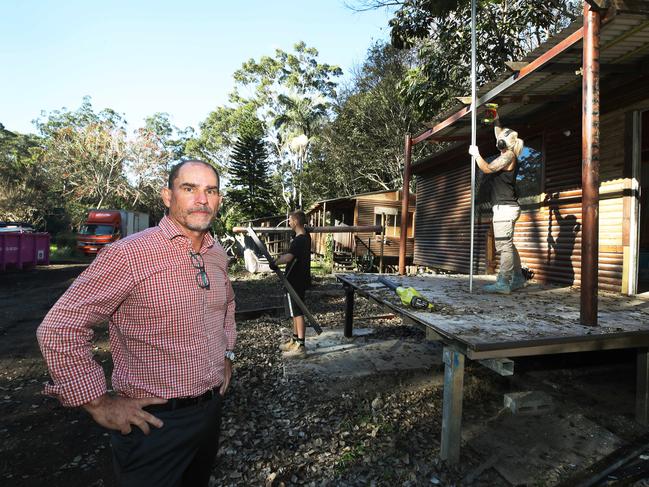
[
  {"x": 350, "y": 457},
  {"x": 60, "y": 253}
]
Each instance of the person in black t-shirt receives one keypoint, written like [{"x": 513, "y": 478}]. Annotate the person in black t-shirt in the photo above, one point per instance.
[
  {"x": 501, "y": 174},
  {"x": 298, "y": 274}
]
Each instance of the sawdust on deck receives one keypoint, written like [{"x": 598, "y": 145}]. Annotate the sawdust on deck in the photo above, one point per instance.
[{"x": 537, "y": 312}]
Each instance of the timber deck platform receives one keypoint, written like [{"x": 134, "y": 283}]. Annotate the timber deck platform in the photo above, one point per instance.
[{"x": 492, "y": 328}]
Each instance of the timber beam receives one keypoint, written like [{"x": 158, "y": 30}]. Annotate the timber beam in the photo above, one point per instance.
[
  {"x": 523, "y": 99},
  {"x": 311, "y": 229},
  {"x": 501, "y": 366},
  {"x": 604, "y": 68}
]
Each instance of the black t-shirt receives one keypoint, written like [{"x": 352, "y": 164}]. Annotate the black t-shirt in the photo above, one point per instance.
[
  {"x": 503, "y": 187},
  {"x": 298, "y": 271}
]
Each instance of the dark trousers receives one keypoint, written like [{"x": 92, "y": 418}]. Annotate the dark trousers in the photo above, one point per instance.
[{"x": 181, "y": 453}]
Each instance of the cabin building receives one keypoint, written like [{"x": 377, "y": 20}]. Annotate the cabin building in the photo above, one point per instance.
[
  {"x": 367, "y": 209},
  {"x": 542, "y": 101}
]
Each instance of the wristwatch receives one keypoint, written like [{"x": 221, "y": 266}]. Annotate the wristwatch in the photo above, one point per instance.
[{"x": 229, "y": 354}]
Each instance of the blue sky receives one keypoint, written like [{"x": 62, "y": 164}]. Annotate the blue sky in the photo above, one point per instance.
[{"x": 139, "y": 57}]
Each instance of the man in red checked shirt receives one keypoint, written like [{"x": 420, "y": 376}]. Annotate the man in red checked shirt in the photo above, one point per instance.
[{"x": 169, "y": 305}]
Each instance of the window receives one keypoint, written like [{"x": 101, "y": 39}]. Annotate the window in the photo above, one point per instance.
[
  {"x": 93, "y": 229},
  {"x": 529, "y": 181},
  {"x": 392, "y": 221}
]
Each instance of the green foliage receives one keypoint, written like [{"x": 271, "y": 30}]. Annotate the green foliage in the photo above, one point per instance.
[
  {"x": 361, "y": 150},
  {"x": 26, "y": 188},
  {"x": 249, "y": 185},
  {"x": 292, "y": 94},
  {"x": 441, "y": 32},
  {"x": 155, "y": 149},
  {"x": 218, "y": 132},
  {"x": 298, "y": 71},
  {"x": 85, "y": 159}
]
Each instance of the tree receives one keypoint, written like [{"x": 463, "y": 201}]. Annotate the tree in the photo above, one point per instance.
[
  {"x": 26, "y": 191},
  {"x": 218, "y": 133},
  {"x": 361, "y": 150},
  {"x": 292, "y": 93},
  {"x": 249, "y": 186},
  {"x": 83, "y": 155},
  {"x": 440, "y": 31},
  {"x": 155, "y": 149}
]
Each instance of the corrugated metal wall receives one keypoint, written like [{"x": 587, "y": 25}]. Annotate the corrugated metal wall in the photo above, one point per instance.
[
  {"x": 548, "y": 234},
  {"x": 442, "y": 223}
]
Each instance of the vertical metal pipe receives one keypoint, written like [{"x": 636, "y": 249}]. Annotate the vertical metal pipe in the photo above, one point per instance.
[
  {"x": 474, "y": 124},
  {"x": 405, "y": 201},
  {"x": 590, "y": 168},
  {"x": 349, "y": 311}
]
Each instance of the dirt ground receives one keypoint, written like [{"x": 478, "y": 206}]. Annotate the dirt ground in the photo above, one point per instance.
[{"x": 378, "y": 432}]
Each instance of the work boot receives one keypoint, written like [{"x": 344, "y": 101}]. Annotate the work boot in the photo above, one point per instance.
[
  {"x": 518, "y": 281},
  {"x": 501, "y": 286},
  {"x": 297, "y": 351},
  {"x": 287, "y": 345}
]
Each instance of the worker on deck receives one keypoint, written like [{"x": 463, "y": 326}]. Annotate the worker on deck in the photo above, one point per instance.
[{"x": 501, "y": 176}]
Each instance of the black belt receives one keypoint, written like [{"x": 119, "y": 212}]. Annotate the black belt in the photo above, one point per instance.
[{"x": 183, "y": 402}]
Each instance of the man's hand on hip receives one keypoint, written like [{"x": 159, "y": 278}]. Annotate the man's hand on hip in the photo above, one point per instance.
[{"x": 120, "y": 413}]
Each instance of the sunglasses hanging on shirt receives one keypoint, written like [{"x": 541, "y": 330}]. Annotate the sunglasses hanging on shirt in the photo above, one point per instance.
[{"x": 202, "y": 279}]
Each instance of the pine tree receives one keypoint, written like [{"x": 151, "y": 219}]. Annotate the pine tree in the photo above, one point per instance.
[{"x": 250, "y": 186}]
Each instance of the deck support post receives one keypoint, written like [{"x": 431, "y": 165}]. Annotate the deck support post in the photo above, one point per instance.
[
  {"x": 349, "y": 311},
  {"x": 452, "y": 405},
  {"x": 642, "y": 386}
]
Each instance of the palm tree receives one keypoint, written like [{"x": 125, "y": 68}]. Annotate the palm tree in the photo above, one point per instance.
[{"x": 297, "y": 117}]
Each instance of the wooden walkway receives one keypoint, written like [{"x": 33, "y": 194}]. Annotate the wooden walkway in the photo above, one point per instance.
[{"x": 492, "y": 328}]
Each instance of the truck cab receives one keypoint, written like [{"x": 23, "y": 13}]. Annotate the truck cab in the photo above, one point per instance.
[{"x": 101, "y": 228}]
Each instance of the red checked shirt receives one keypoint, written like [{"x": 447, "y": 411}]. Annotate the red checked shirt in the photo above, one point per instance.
[{"x": 168, "y": 336}]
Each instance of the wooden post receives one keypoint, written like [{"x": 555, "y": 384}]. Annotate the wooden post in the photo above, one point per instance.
[
  {"x": 349, "y": 311},
  {"x": 452, "y": 406},
  {"x": 590, "y": 168},
  {"x": 642, "y": 387},
  {"x": 405, "y": 201}
]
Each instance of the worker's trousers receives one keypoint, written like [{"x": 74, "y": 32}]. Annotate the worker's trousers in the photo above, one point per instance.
[{"x": 504, "y": 220}]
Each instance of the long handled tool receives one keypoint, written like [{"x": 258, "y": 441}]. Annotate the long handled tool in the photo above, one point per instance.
[
  {"x": 287, "y": 285},
  {"x": 408, "y": 295}
]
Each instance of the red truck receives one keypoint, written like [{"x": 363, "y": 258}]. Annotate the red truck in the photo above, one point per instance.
[{"x": 103, "y": 227}]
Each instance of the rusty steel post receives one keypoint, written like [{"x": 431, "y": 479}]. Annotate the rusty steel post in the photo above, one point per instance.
[
  {"x": 405, "y": 201},
  {"x": 590, "y": 168}
]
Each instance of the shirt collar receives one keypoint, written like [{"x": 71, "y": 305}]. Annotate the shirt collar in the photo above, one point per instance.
[{"x": 171, "y": 230}]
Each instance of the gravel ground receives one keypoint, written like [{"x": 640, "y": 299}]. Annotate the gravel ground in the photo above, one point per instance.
[{"x": 382, "y": 431}]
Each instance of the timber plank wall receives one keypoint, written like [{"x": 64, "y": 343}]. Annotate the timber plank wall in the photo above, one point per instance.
[
  {"x": 548, "y": 234},
  {"x": 364, "y": 215}
]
